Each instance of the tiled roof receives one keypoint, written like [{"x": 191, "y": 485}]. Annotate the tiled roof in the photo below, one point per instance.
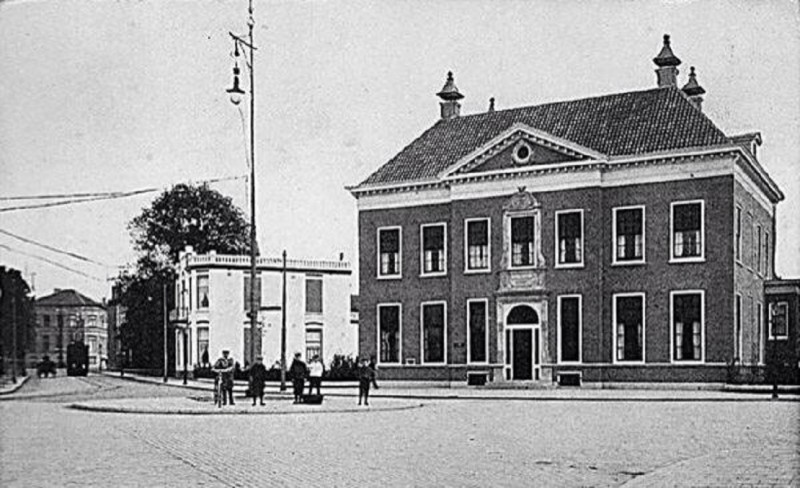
[
  {"x": 641, "y": 122},
  {"x": 67, "y": 298}
]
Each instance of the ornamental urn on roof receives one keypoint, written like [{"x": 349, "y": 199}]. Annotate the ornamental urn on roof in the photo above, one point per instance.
[
  {"x": 666, "y": 57},
  {"x": 449, "y": 91}
]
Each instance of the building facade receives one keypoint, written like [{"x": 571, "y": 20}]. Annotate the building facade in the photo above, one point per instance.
[
  {"x": 66, "y": 316},
  {"x": 615, "y": 238},
  {"x": 783, "y": 329},
  {"x": 213, "y": 291}
]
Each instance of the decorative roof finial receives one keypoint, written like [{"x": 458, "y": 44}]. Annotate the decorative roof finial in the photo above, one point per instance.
[
  {"x": 692, "y": 87},
  {"x": 491, "y": 104},
  {"x": 449, "y": 90},
  {"x": 666, "y": 57}
]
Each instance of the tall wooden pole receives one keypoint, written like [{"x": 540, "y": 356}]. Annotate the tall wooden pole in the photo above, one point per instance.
[
  {"x": 166, "y": 349},
  {"x": 253, "y": 279},
  {"x": 283, "y": 326}
]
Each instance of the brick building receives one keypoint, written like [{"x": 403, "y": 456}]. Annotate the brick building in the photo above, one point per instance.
[
  {"x": 616, "y": 238},
  {"x": 65, "y": 316}
]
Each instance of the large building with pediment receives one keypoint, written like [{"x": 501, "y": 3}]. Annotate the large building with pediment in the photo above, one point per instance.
[{"x": 618, "y": 238}]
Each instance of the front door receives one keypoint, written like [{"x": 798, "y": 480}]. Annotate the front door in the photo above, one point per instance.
[{"x": 522, "y": 347}]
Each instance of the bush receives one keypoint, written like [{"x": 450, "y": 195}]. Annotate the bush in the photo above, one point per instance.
[{"x": 343, "y": 368}]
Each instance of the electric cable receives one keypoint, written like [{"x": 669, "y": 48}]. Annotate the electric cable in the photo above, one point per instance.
[
  {"x": 53, "y": 263},
  {"x": 54, "y": 249}
]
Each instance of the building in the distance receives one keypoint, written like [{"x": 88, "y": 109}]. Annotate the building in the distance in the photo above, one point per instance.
[
  {"x": 65, "y": 316},
  {"x": 783, "y": 329},
  {"x": 622, "y": 237},
  {"x": 212, "y": 295}
]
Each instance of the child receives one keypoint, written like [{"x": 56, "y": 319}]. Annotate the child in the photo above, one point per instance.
[{"x": 366, "y": 375}]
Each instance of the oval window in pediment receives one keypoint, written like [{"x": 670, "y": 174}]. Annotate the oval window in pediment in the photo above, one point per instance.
[{"x": 522, "y": 152}]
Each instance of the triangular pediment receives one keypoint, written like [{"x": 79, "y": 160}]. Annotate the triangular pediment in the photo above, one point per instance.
[{"x": 521, "y": 146}]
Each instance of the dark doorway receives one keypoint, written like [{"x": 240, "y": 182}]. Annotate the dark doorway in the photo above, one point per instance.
[{"x": 522, "y": 366}]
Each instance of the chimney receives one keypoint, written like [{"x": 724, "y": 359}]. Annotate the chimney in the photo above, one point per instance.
[
  {"x": 450, "y": 96},
  {"x": 693, "y": 90},
  {"x": 667, "y": 62}
]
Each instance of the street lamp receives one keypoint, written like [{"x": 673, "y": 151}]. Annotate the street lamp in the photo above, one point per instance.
[{"x": 236, "y": 94}]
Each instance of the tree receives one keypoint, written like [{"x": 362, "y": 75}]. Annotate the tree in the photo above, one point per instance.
[
  {"x": 185, "y": 215},
  {"x": 16, "y": 318}
]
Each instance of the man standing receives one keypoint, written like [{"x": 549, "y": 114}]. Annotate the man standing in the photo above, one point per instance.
[
  {"x": 315, "y": 370},
  {"x": 258, "y": 375},
  {"x": 224, "y": 369},
  {"x": 366, "y": 377},
  {"x": 298, "y": 371}
]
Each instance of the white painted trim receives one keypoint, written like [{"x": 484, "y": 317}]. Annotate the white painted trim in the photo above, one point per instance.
[
  {"x": 762, "y": 334},
  {"x": 738, "y": 224},
  {"x": 672, "y": 295},
  {"x": 614, "y": 297},
  {"x": 693, "y": 259},
  {"x": 422, "y": 306},
  {"x": 399, "y": 331},
  {"x": 430, "y": 274},
  {"x": 559, "y": 334},
  {"x": 772, "y": 336},
  {"x": 738, "y": 325},
  {"x": 509, "y": 216},
  {"x": 752, "y": 189},
  {"x": 399, "y": 274},
  {"x": 614, "y": 260},
  {"x": 580, "y": 263},
  {"x": 758, "y": 242},
  {"x": 488, "y": 221},
  {"x": 485, "y": 302}
]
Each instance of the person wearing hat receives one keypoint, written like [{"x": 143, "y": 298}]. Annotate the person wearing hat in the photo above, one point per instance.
[
  {"x": 258, "y": 376},
  {"x": 224, "y": 369},
  {"x": 315, "y": 370},
  {"x": 298, "y": 371}
]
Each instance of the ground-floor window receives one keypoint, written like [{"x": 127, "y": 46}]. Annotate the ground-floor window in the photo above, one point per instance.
[
  {"x": 433, "y": 332},
  {"x": 629, "y": 327},
  {"x": 478, "y": 330},
  {"x": 313, "y": 343},
  {"x": 687, "y": 325},
  {"x": 778, "y": 320},
  {"x": 389, "y": 333},
  {"x": 202, "y": 344},
  {"x": 569, "y": 328}
]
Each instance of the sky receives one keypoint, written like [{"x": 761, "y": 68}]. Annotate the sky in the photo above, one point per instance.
[{"x": 127, "y": 95}]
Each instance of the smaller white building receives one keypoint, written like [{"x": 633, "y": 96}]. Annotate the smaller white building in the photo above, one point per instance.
[{"x": 212, "y": 294}]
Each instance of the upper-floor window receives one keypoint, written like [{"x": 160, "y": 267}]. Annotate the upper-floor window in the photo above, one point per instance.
[
  {"x": 758, "y": 262},
  {"x": 766, "y": 255},
  {"x": 569, "y": 238},
  {"x": 688, "y": 319},
  {"x": 738, "y": 231},
  {"x": 522, "y": 252},
  {"x": 46, "y": 320},
  {"x": 687, "y": 231},
  {"x": 779, "y": 320},
  {"x": 389, "y": 247},
  {"x": 314, "y": 295},
  {"x": 629, "y": 235},
  {"x": 202, "y": 291},
  {"x": 477, "y": 245},
  {"x": 433, "y": 249}
]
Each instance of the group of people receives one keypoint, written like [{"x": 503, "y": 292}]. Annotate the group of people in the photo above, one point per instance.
[{"x": 225, "y": 366}]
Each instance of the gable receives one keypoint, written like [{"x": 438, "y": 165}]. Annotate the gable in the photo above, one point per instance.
[{"x": 517, "y": 151}]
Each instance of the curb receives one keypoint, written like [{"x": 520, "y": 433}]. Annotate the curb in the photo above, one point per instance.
[
  {"x": 20, "y": 381},
  {"x": 146, "y": 411}
]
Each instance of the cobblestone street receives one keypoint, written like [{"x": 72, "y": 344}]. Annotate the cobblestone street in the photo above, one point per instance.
[{"x": 444, "y": 443}]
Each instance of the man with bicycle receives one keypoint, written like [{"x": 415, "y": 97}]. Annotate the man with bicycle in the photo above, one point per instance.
[{"x": 223, "y": 367}]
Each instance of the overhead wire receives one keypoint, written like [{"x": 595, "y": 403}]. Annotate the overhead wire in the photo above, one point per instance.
[
  {"x": 52, "y": 263},
  {"x": 56, "y": 250}
]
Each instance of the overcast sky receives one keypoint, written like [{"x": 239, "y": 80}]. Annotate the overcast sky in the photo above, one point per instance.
[{"x": 114, "y": 96}]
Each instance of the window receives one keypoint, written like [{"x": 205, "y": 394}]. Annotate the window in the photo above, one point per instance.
[
  {"x": 629, "y": 327},
  {"x": 767, "y": 272},
  {"x": 779, "y": 320},
  {"x": 202, "y": 344},
  {"x": 569, "y": 329},
  {"x": 433, "y": 332},
  {"x": 753, "y": 246},
  {"x": 202, "y": 291},
  {"x": 758, "y": 264},
  {"x": 629, "y": 235},
  {"x": 569, "y": 238},
  {"x": 687, "y": 231},
  {"x": 92, "y": 344},
  {"x": 738, "y": 231},
  {"x": 522, "y": 241},
  {"x": 314, "y": 295},
  {"x": 389, "y": 333},
  {"x": 313, "y": 343},
  {"x": 738, "y": 328},
  {"x": 60, "y": 321},
  {"x": 433, "y": 249},
  {"x": 477, "y": 245},
  {"x": 478, "y": 330},
  {"x": 46, "y": 320},
  {"x": 389, "y": 252},
  {"x": 761, "y": 333},
  {"x": 45, "y": 343},
  {"x": 688, "y": 324}
]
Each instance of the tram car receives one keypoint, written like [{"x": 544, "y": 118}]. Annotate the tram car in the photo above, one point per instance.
[{"x": 77, "y": 359}]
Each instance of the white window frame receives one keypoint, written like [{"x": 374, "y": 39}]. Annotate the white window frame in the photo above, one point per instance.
[
  {"x": 536, "y": 221},
  {"x": 488, "y": 269},
  {"x": 422, "y": 272},
  {"x": 321, "y": 294},
  {"x": 485, "y": 302},
  {"x": 767, "y": 267},
  {"x": 422, "y": 332},
  {"x": 614, "y": 260},
  {"x": 580, "y": 328},
  {"x": 737, "y": 234},
  {"x": 399, "y": 274},
  {"x": 738, "y": 322},
  {"x": 207, "y": 277},
  {"x": 693, "y": 259},
  {"x": 614, "y": 327},
  {"x": 759, "y": 253},
  {"x": 751, "y": 261},
  {"x": 399, "y": 332},
  {"x": 772, "y": 336},
  {"x": 672, "y": 295},
  {"x": 557, "y": 260}
]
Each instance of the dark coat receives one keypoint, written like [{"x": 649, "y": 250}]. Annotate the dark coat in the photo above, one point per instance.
[
  {"x": 258, "y": 375},
  {"x": 298, "y": 370}
]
